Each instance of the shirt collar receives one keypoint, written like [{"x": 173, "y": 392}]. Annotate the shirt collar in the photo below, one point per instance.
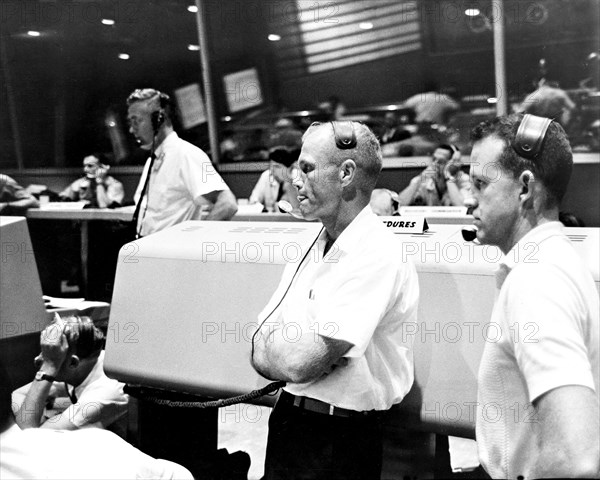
[
  {"x": 96, "y": 373},
  {"x": 352, "y": 234},
  {"x": 169, "y": 139},
  {"x": 537, "y": 235}
]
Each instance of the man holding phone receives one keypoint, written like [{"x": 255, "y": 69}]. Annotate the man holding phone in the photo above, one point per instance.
[{"x": 97, "y": 187}]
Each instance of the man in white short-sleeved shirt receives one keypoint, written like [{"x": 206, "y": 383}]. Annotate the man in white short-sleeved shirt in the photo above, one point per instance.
[
  {"x": 70, "y": 390},
  {"x": 537, "y": 409},
  {"x": 336, "y": 335},
  {"x": 182, "y": 178}
]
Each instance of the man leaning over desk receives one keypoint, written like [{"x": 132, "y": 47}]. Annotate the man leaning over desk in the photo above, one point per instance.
[
  {"x": 181, "y": 176},
  {"x": 348, "y": 302}
]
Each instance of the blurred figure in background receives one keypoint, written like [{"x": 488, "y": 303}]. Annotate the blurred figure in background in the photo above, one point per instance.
[
  {"x": 384, "y": 202},
  {"x": 441, "y": 183},
  {"x": 549, "y": 102},
  {"x": 97, "y": 188},
  {"x": 275, "y": 183},
  {"x": 14, "y": 199},
  {"x": 431, "y": 106}
]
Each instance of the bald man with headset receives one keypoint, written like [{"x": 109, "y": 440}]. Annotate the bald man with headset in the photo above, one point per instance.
[
  {"x": 347, "y": 302},
  {"x": 179, "y": 177}
]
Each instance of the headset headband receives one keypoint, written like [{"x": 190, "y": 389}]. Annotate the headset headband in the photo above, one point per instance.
[
  {"x": 344, "y": 135},
  {"x": 530, "y": 136}
]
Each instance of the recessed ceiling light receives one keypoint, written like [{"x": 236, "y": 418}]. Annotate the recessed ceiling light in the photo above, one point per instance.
[
  {"x": 192, "y": 9},
  {"x": 193, "y": 48},
  {"x": 108, "y": 21},
  {"x": 472, "y": 12},
  {"x": 33, "y": 33},
  {"x": 492, "y": 100},
  {"x": 365, "y": 25},
  {"x": 304, "y": 113},
  {"x": 124, "y": 56},
  {"x": 227, "y": 118},
  {"x": 273, "y": 37},
  {"x": 392, "y": 107}
]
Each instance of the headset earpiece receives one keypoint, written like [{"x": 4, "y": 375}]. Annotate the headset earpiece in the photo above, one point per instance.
[
  {"x": 345, "y": 137},
  {"x": 530, "y": 136},
  {"x": 158, "y": 118}
]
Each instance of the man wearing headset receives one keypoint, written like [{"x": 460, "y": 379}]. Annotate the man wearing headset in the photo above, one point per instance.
[
  {"x": 97, "y": 187},
  {"x": 70, "y": 389},
  {"x": 441, "y": 183},
  {"x": 182, "y": 177},
  {"x": 537, "y": 409},
  {"x": 347, "y": 301}
]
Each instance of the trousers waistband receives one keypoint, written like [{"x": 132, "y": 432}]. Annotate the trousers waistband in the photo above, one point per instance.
[{"x": 317, "y": 406}]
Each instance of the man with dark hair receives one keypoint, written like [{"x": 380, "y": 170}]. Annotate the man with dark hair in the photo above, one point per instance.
[
  {"x": 180, "y": 178},
  {"x": 89, "y": 453},
  {"x": 275, "y": 183},
  {"x": 441, "y": 183},
  {"x": 70, "y": 389},
  {"x": 348, "y": 302},
  {"x": 538, "y": 385},
  {"x": 97, "y": 188}
]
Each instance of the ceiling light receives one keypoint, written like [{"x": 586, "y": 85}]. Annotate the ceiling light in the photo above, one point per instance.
[
  {"x": 273, "y": 37},
  {"x": 392, "y": 107},
  {"x": 193, "y": 48},
  {"x": 107, "y": 21},
  {"x": 472, "y": 12},
  {"x": 33, "y": 33},
  {"x": 492, "y": 100},
  {"x": 192, "y": 9},
  {"x": 124, "y": 56},
  {"x": 304, "y": 113},
  {"x": 227, "y": 118},
  {"x": 365, "y": 25}
]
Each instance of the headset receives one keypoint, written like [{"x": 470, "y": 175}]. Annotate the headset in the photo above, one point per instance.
[
  {"x": 530, "y": 136},
  {"x": 158, "y": 118},
  {"x": 528, "y": 143},
  {"x": 343, "y": 133}
]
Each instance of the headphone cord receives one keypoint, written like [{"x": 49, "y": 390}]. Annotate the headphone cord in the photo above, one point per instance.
[{"x": 144, "y": 193}]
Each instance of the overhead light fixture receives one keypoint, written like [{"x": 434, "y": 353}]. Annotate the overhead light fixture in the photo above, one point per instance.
[
  {"x": 273, "y": 37},
  {"x": 33, "y": 33},
  {"x": 392, "y": 107},
  {"x": 492, "y": 100},
  {"x": 304, "y": 113},
  {"x": 192, "y": 9},
  {"x": 365, "y": 25},
  {"x": 124, "y": 56},
  {"x": 227, "y": 118},
  {"x": 108, "y": 21},
  {"x": 472, "y": 12},
  {"x": 193, "y": 48}
]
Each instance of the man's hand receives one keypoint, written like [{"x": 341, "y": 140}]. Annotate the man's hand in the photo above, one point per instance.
[
  {"x": 54, "y": 347},
  {"x": 451, "y": 170},
  {"x": 101, "y": 173}
]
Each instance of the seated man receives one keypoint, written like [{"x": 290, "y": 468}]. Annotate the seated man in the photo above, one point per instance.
[
  {"x": 384, "y": 202},
  {"x": 14, "y": 199},
  {"x": 276, "y": 183},
  {"x": 96, "y": 187},
  {"x": 441, "y": 183},
  {"x": 89, "y": 453},
  {"x": 70, "y": 389}
]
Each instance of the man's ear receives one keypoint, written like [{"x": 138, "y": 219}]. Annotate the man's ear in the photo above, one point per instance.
[
  {"x": 527, "y": 182},
  {"x": 347, "y": 171},
  {"x": 74, "y": 361}
]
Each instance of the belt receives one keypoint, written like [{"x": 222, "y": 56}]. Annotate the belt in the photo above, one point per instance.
[{"x": 317, "y": 406}]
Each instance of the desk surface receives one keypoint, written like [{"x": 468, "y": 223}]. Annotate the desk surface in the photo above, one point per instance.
[{"x": 124, "y": 213}]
